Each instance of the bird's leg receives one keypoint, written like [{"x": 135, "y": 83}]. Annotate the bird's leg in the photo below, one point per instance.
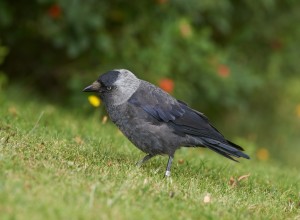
[
  {"x": 146, "y": 158},
  {"x": 168, "y": 169}
]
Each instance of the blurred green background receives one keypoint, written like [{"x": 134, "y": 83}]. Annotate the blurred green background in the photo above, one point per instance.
[{"x": 236, "y": 61}]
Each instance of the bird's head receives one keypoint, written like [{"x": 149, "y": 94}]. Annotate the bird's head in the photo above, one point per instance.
[{"x": 115, "y": 87}]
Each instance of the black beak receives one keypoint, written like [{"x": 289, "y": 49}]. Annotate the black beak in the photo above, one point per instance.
[{"x": 93, "y": 88}]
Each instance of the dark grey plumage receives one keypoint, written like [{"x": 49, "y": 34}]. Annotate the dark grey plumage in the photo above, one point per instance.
[{"x": 154, "y": 121}]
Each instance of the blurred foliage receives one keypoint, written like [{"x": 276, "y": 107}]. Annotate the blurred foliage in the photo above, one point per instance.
[
  {"x": 3, "y": 78},
  {"x": 233, "y": 58}
]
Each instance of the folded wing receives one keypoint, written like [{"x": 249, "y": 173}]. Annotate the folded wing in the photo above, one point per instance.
[{"x": 183, "y": 119}]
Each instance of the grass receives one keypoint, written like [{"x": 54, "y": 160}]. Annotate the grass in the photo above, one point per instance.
[{"x": 58, "y": 163}]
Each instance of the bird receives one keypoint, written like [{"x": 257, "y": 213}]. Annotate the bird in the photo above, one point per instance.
[{"x": 156, "y": 122}]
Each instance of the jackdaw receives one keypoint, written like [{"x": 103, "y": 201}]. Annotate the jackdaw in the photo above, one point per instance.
[{"x": 154, "y": 121}]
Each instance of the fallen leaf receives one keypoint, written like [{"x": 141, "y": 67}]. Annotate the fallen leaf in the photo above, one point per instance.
[
  {"x": 78, "y": 140},
  {"x": 207, "y": 198},
  {"x": 180, "y": 161},
  {"x": 243, "y": 177},
  {"x": 232, "y": 181}
]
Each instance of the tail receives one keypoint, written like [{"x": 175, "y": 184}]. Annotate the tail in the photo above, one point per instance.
[{"x": 227, "y": 149}]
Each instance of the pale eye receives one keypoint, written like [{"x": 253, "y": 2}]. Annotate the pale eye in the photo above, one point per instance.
[{"x": 108, "y": 87}]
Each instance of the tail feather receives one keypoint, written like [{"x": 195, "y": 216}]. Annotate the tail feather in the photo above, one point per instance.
[
  {"x": 226, "y": 149},
  {"x": 222, "y": 153},
  {"x": 235, "y": 145}
]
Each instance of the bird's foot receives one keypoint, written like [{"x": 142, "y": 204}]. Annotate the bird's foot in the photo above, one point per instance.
[
  {"x": 168, "y": 177},
  {"x": 168, "y": 174},
  {"x": 139, "y": 163}
]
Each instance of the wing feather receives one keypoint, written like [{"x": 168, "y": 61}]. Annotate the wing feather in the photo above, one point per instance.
[
  {"x": 183, "y": 119},
  {"x": 165, "y": 108}
]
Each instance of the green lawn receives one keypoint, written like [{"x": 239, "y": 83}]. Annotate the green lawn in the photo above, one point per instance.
[{"x": 57, "y": 163}]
